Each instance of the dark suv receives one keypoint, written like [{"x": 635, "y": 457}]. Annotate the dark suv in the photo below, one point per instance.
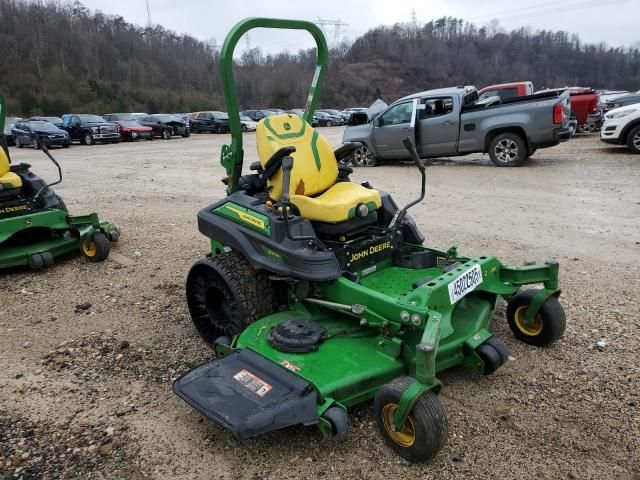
[
  {"x": 37, "y": 133},
  {"x": 89, "y": 129},
  {"x": 215, "y": 122}
]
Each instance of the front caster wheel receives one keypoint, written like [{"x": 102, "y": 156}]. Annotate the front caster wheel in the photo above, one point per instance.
[
  {"x": 339, "y": 420},
  {"x": 547, "y": 326},
  {"x": 494, "y": 354},
  {"x": 98, "y": 249},
  {"x": 424, "y": 431}
]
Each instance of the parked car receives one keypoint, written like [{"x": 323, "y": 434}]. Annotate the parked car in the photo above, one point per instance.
[
  {"x": 36, "y": 133},
  {"x": 622, "y": 126},
  {"x": 507, "y": 90},
  {"x": 131, "y": 130},
  {"x": 326, "y": 120},
  {"x": 256, "y": 115},
  {"x": 275, "y": 110},
  {"x": 213, "y": 122},
  {"x": 608, "y": 95},
  {"x": 453, "y": 121},
  {"x": 336, "y": 113},
  {"x": 623, "y": 101},
  {"x": 165, "y": 125},
  {"x": 9, "y": 122},
  {"x": 585, "y": 108},
  {"x": 89, "y": 129},
  {"x": 300, "y": 113},
  {"x": 248, "y": 125},
  {"x": 57, "y": 121}
]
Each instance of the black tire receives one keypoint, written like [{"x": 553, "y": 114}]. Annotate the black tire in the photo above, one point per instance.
[
  {"x": 425, "y": 428},
  {"x": 99, "y": 247},
  {"x": 66, "y": 145},
  {"x": 18, "y": 144},
  {"x": 244, "y": 128},
  {"x": 491, "y": 358},
  {"x": 508, "y": 150},
  {"x": 166, "y": 134},
  {"x": 500, "y": 347},
  {"x": 88, "y": 139},
  {"x": 36, "y": 261},
  {"x": 61, "y": 204},
  {"x": 633, "y": 140},
  {"x": 225, "y": 294},
  {"x": 363, "y": 157},
  {"x": 35, "y": 144},
  {"x": 549, "y": 323},
  {"x": 186, "y": 134},
  {"x": 329, "y": 123},
  {"x": 339, "y": 420}
]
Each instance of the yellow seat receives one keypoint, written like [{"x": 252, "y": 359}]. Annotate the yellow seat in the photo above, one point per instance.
[
  {"x": 313, "y": 186},
  {"x": 8, "y": 179}
]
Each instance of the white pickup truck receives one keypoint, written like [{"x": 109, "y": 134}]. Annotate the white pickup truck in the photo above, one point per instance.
[{"x": 622, "y": 127}]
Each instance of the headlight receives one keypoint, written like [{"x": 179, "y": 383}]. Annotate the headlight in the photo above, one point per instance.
[{"x": 623, "y": 113}]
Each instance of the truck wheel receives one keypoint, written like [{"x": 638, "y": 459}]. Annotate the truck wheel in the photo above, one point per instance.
[
  {"x": 548, "y": 325},
  {"x": 424, "y": 431},
  {"x": 87, "y": 139},
  {"x": 225, "y": 294},
  {"x": 507, "y": 150},
  {"x": 363, "y": 157},
  {"x": 633, "y": 140}
]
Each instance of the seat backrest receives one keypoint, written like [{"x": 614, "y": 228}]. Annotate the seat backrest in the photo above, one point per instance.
[
  {"x": 4, "y": 162},
  {"x": 315, "y": 168}
]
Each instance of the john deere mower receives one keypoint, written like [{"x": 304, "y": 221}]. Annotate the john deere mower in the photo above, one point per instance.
[
  {"x": 35, "y": 226},
  {"x": 319, "y": 293}
]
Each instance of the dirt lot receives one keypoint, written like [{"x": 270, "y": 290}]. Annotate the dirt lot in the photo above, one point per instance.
[{"x": 86, "y": 393}]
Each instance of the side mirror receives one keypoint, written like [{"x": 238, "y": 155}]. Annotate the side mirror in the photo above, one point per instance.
[{"x": 380, "y": 121}]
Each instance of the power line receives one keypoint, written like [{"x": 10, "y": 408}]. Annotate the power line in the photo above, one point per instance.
[{"x": 540, "y": 10}]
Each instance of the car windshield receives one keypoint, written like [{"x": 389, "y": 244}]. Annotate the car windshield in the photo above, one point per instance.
[
  {"x": 129, "y": 123},
  {"x": 125, "y": 117},
  {"x": 11, "y": 120},
  {"x": 91, "y": 118},
  {"x": 42, "y": 125},
  {"x": 166, "y": 118},
  {"x": 52, "y": 119},
  {"x": 220, "y": 116}
]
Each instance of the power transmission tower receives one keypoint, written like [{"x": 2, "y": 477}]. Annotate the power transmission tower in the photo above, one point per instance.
[
  {"x": 414, "y": 18},
  {"x": 332, "y": 29},
  {"x": 247, "y": 41},
  {"x": 149, "y": 22}
]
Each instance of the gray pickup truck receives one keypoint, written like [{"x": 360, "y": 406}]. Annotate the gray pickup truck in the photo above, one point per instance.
[{"x": 453, "y": 121}]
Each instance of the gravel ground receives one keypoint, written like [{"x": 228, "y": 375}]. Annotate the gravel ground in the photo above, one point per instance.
[{"x": 85, "y": 390}]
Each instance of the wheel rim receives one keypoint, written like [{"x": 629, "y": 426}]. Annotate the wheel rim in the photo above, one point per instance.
[
  {"x": 87, "y": 139},
  {"x": 406, "y": 436},
  {"x": 89, "y": 251},
  {"x": 532, "y": 329},
  {"x": 34, "y": 143},
  {"x": 506, "y": 150},
  {"x": 636, "y": 140},
  {"x": 362, "y": 157}
]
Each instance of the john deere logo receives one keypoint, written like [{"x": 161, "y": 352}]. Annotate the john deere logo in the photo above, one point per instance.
[{"x": 286, "y": 125}]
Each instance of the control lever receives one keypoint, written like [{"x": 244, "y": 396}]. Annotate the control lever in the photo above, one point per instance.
[
  {"x": 55, "y": 162},
  {"x": 400, "y": 214}
]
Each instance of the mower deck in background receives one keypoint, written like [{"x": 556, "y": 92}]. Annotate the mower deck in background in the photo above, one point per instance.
[
  {"x": 35, "y": 226},
  {"x": 319, "y": 293}
]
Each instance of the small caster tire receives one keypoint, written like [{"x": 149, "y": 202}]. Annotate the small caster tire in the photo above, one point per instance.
[
  {"x": 425, "y": 430},
  {"x": 98, "y": 249},
  {"x": 548, "y": 325},
  {"x": 339, "y": 420},
  {"x": 490, "y": 357},
  {"x": 500, "y": 347}
]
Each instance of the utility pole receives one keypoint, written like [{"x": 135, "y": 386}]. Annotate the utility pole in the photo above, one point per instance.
[
  {"x": 149, "y": 22},
  {"x": 247, "y": 41},
  {"x": 332, "y": 29}
]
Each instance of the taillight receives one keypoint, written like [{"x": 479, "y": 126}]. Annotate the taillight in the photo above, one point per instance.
[{"x": 558, "y": 114}]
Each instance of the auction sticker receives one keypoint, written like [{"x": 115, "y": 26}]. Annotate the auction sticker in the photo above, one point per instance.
[
  {"x": 290, "y": 366},
  {"x": 465, "y": 283},
  {"x": 253, "y": 383}
]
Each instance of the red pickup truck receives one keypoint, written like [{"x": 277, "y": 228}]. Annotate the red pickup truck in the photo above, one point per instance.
[{"x": 584, "y": 101}]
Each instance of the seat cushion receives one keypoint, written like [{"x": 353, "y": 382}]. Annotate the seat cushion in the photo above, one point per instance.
[
  {"x": 338, "y": 203},
  {"x": 8, "y": 179},
  {"x": 314, "y": 167}
]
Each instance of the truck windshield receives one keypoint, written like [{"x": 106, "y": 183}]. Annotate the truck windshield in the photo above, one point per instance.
[{"x": 91, "y": 119}]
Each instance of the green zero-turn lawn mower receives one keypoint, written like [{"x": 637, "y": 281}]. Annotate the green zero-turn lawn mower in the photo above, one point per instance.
[
  {"x": 319, "y": 293},
  {"x": 35, "y": 226}
]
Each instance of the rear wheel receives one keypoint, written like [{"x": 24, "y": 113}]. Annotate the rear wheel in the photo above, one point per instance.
[
  {"x": 98, "y": 249},
  {"x": 546, "y": 327},
  {"x": 633, "y": 140},
  {"x": 166, "y": 134},
  {"x": 225, "y": 294},
  {"x": 423, "y": 433},
  {"x": 507, "y": 150}
]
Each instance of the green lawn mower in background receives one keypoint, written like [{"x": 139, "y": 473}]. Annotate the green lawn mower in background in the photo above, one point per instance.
[
  {"x": 319, "y": 293},
  {"x": 35, "y": 226}
]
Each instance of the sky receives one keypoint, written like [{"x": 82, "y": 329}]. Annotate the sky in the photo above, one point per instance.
[{"x": 614, "y": 22}]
